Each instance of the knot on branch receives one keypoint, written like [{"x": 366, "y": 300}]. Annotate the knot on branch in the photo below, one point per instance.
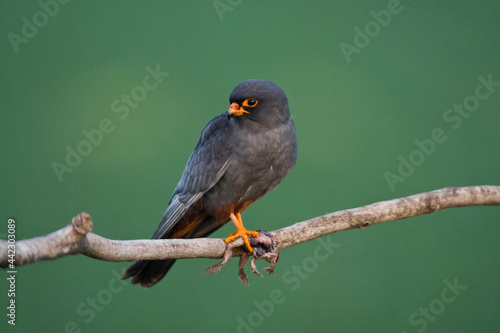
[
  {"x": 433, "y": 203},
  {"x": 360, "y": 221},
  {"x": 82, "y": 224}
]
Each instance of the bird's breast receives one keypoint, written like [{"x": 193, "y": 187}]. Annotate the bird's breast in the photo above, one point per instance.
[{"x": 259, "y": 162}]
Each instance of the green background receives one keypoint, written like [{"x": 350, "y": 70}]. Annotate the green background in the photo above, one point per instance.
[{"x": 353, "y": 121}]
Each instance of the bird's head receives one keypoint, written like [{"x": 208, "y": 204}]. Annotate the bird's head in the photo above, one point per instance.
[{"x": 259, "y": 100}]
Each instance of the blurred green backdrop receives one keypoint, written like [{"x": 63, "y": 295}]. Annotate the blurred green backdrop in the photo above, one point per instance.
[{"x": 356, "y": 112}]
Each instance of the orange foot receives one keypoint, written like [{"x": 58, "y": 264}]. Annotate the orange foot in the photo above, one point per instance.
[{"x": 240, "y": 231}]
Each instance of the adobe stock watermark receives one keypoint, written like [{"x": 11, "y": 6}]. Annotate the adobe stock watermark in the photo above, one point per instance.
[
  {"x": 223, "y": 6},
  {"x": 121, "y": 107},
  {"x": 12, "y": 272},
  {"x": 453, "y": 117},
  {"x": 373, "y": 28},
  {"x": 420, "y": 319},
  {"x": 88, "y": 309},
  {"x": 31, "y": 26},
  {"x": 292, "y": 279}
]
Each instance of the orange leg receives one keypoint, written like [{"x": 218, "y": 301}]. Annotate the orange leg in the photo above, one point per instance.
[{"x": 240, "y": 231}]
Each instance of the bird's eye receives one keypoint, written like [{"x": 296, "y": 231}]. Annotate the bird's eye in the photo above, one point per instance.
[{"x": 250, "y": 102}]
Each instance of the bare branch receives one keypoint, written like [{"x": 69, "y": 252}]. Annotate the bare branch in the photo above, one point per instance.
[
  {"x": 385, "y": 211},
  {"x": 78, "y": 239}
]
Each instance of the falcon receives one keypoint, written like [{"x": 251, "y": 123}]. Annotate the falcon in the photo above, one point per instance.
[{"x": 240, "y": 156}]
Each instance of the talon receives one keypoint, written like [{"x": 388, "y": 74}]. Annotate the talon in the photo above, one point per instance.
[{"x": 240, "y": 232}]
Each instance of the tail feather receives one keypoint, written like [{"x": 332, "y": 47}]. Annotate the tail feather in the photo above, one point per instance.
[{"x": 148, "y": 272}]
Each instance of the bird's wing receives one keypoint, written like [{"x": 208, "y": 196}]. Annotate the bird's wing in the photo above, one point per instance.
[{"x": 206, "y": 165}]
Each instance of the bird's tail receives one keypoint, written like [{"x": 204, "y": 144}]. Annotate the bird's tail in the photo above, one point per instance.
[{"x": 148, "y": 272}]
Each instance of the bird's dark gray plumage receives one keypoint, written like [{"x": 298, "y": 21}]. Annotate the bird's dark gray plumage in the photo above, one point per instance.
[{"x": 240, "y": 156}]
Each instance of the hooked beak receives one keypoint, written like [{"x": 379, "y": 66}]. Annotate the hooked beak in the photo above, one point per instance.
[{"x": 235, "y": 110}]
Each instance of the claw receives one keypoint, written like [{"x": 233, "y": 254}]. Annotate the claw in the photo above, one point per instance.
[
  {"x": 263, "y": 247},
  {"x": 241, "y": 232}
]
